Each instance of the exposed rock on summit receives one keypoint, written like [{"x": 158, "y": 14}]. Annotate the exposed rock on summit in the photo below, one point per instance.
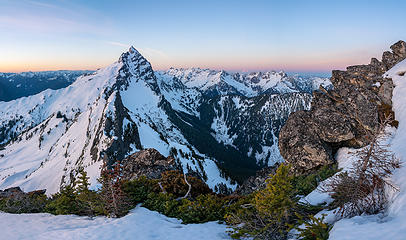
[
  {"x": 148, "y": 162},
  {"x": 17, "y": 201},
  {"x": 16, "y": 193},
  {"x": 341, "y": 117}
]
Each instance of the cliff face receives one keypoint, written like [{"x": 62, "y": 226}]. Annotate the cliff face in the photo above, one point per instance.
[{"x": 341, "y": 117}]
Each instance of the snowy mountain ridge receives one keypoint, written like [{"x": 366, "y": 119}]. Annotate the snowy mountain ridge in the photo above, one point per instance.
[
  {"x": 16, "y": 85},
  {"x": 102, "y": 116},
  {"x": 203, "y": 118},
  {"x": 246, "y": 84}
]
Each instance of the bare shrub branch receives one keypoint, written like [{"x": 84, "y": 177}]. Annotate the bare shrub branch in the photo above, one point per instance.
[
  {"x": 361, "y": 189},
  {"x": 189, "y": 188}
]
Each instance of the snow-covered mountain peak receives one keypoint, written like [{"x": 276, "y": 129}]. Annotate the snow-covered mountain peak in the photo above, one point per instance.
[
  {"x": 134, "y": 68},
  {"x": 266, "y": 79},
  {"x": 122, "y": 108},
  {"x": 100, "y": 118},
  {"x": 134, "y": 60},
  {"x": 133, "y": 50},
  {"x": 196, "y": 77},
  {"x": 262, "y": 81}
]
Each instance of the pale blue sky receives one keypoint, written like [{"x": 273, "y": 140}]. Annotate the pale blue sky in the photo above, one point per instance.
[{"x": 232, "y": 35}]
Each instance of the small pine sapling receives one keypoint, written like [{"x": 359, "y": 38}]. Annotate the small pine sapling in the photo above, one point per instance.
[{"x": 314, "y": 228}]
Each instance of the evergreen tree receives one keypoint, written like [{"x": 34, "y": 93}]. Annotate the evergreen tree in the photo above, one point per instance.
[
  {"x": 64, "y": 202},
  {"x": 269, "y": 212},
  {"x": 276, "y": 201},
  {"x": 89, "y": 201},
  {"x": 82, "y": 182}
]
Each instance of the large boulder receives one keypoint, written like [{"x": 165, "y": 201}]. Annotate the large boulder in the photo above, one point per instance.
[
  {"x": 300, "y": 144},
  {"x": 341, "y": 117},
  {"x": 148, "y": 162}
]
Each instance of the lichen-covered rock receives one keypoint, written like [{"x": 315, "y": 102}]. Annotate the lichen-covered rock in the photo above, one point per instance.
[
  {"x": 16, "y": 193},
  {"x": 300, "y": 144},
  {"x": 399, "y": 49},
  {"x": 398, "y": 52},
  {"x": 14, "y": 200},
  {"x": 343, "y": 116},
  {"x": 148, "y": 162}
]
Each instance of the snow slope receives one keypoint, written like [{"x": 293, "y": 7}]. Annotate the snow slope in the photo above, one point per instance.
[
  {"x": 54, "y": 146},
  {"x": 99, "y": 118},
  {"x": 140, "y": 223},
  {"x": 252, "y": 125}
]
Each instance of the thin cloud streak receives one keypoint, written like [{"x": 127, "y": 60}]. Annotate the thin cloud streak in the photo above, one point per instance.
[
  {"x": 117, "y": 44},
  {"x": 153, "y": 53},
  {"x": 41, "y": 4}
]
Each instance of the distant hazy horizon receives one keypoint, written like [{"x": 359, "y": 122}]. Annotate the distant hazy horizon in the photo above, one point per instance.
[
  {"x": 289, "y": 73},
  {"x": 294, "y": 36}
]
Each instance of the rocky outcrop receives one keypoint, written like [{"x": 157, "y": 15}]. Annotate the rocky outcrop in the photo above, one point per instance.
[
  {"x": 343, "y": 116},
  {"x": 148, "y": 162},
  {"x": 16, "y": 193},
  {"x": 14, "y": 200},
  {"x": 300, "y": 144}
]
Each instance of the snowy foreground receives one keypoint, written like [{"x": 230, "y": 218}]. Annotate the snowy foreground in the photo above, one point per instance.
[{"x": 141, "y": 223}]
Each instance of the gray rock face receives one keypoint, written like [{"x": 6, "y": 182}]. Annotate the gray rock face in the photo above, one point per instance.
[
  {"x": 17, "y": 201},
  {"x": 148, "y": 162},
  {"x": 300, "y": 144},
  {"x": 16, "y": 193},
  {"x": 342, "y": 116},
  {"x": 398, "y": 52}
]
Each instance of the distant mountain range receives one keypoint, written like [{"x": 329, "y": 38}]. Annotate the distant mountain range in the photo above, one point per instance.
[
  {"x": 221, "y": 125},
  {"x": 16, "y": 85}
]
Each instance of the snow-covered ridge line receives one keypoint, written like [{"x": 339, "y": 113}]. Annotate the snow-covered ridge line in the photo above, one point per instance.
[
  {"x": 16, "y": 85},
  {"x": 101, "y": 117},
  {"x": 32, "y": 73},
  {"x": 247, "y": 84},
  {"x": 125, "y": 107}
]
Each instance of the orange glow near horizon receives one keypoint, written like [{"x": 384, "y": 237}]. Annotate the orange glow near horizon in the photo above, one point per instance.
[
  {"x": 36, "y": 66},
  {"x": 297, "y": 63},
  {"x": 31, "y": 68},
  {"x": 307, "y": 67},
  {"x": 72, "y": 35}
]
